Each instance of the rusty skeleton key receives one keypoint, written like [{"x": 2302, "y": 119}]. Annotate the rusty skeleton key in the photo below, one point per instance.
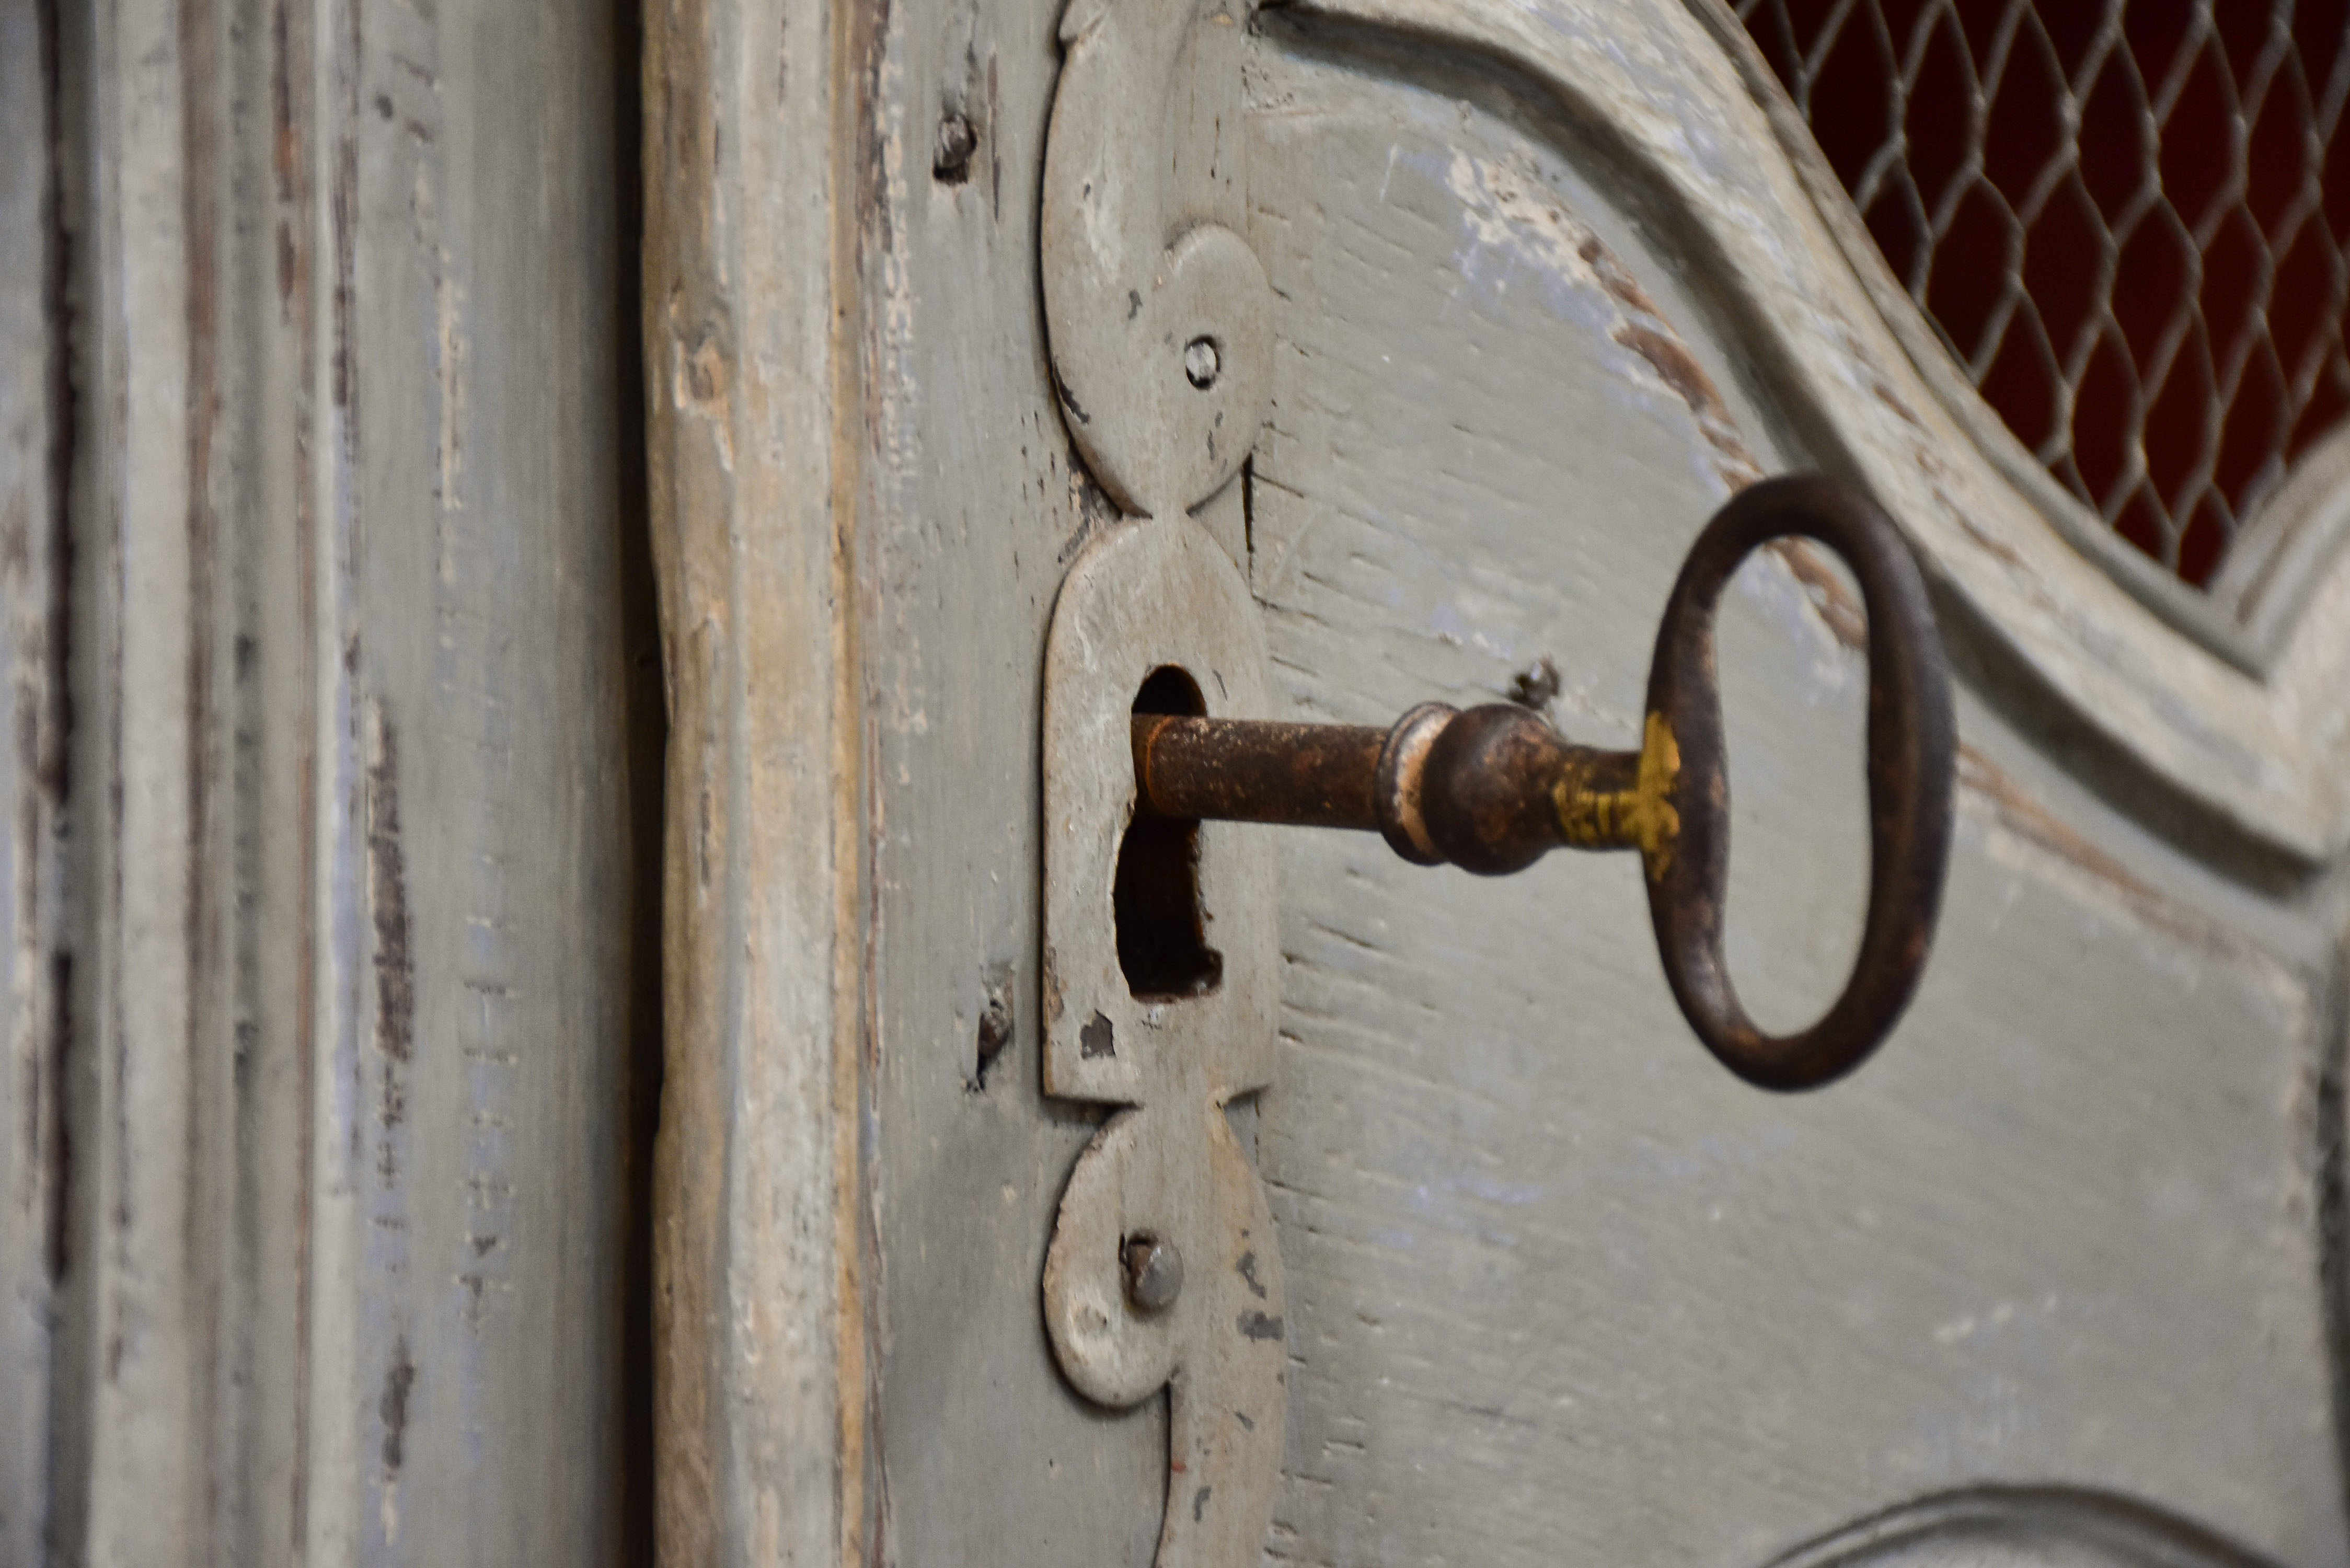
[{"x": 1492, "y": 789}]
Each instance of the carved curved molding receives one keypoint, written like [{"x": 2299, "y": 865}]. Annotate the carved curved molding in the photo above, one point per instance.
[
  {"x": 2249, "y": 724},
  {"x": 2206, "y": 617},
  {"x": 2264, "y": 582},
  {"x": 2247, "y": 613},
  {"x": 2028, "y": 1527}
]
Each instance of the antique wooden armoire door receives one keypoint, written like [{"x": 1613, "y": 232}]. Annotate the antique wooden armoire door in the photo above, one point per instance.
[
  {"x": 1039, "y": 1179},
  {"x": 1485, "y": 307}
]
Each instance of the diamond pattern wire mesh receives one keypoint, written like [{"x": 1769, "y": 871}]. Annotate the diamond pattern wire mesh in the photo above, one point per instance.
[{"x": 2124, "y": 215}]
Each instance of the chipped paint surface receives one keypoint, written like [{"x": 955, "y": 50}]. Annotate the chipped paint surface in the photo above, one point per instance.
[
  {"x": 1532, "y": 1243},
  {"x": 1515, "y": 225},
  {"x": 2212, "y": 723},
  {"x": 1559, "y": 1289},
  {"x": 35, "y": 1050},
  {"x": 350, "y": 458},
  {"x": 755, "y": 487}
]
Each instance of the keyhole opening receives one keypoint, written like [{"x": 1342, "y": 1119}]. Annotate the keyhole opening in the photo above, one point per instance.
[{"x": 1163, "y": 926}]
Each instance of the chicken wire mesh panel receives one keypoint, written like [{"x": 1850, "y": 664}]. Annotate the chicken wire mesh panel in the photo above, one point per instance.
[{"x": 2125, "y": 218}]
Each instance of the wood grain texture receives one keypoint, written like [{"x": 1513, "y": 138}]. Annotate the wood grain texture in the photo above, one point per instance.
[
  {"x": 33, "y": 411},
  {"x": 1691, "y": 130},
  {"x": 1560, "y": 1288},
  {"x": 350, "y": 855},
  {"x": 757, "y": 242}
]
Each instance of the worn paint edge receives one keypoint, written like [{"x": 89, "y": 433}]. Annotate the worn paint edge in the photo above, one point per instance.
[
  {"x": 2225, "y": 740},
  {"x": 762, "y": 1267}
]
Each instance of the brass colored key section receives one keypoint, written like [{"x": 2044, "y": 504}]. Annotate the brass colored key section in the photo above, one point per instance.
[{"x": 1492, "y": 789}]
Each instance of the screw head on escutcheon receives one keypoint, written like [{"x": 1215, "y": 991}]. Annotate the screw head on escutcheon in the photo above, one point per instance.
[
  {"x": 1154, "y": 1273},
  {"x": 1201, "y": 362}
]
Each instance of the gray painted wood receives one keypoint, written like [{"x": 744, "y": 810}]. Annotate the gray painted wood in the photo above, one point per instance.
[
  {"x": 1553, "y": 1269},
  {"x": 1546, "y": 291},
  {"x": 31, "y": 735},
  {"x": 350, "y": 876}
]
